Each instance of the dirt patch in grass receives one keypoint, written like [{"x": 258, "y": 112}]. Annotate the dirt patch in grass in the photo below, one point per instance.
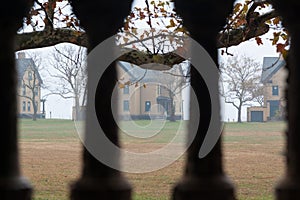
[
  {"x": 253, "y": 160},
  {"x": 255, "y": 168},
  {"x": 51, "y": 167}
]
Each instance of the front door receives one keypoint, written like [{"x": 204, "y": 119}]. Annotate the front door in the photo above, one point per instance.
[
  {"x": 274, "y": 108},
  {"x": 165, "y": 102}
]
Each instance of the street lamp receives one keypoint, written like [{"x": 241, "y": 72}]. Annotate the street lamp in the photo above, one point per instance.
[{"x": 43, "y": 111}]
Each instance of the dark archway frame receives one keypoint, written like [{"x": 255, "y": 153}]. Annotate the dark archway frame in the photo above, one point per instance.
[{"x": 204, "y": 178}]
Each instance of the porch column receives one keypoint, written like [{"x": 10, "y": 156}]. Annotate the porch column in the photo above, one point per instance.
[
  {"x": 289, "y": 187},
  {"x": 12, "y": 185},
  {"x": 101, "y": 19},
  {"x": 204, "y": 178}
]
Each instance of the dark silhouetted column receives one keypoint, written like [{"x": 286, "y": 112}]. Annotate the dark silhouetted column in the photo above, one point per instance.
[
  {"x": 101, "y": 19},
  {"x": 12, "y": 185},
  {"x": 289, "y": 187},
  {"x": 203, "y": 178}
]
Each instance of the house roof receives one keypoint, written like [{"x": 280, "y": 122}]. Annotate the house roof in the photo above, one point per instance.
[
  {"x": 22, "y": 65},
  {"x": 271, "y": 65},
  {"x": 137, "y": 73}
]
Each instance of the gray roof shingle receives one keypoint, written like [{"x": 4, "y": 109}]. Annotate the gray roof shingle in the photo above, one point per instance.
[
  {"x": 137, "y": 73},
  {"x": 22, "y": 65},
  {"x": 270, "y": 66}
]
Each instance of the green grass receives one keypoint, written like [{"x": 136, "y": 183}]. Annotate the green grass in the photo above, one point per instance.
[
  {"x": 142, "y": 128},
  {"x": 157, "y": 131},
  {"x": 47, "y": 129},
  {"x": 257, "y": 133},
  {"x": 254, "y": 126}
]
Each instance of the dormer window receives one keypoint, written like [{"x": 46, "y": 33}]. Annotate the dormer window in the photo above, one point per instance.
[
  {"x": 275, "y": 90},
  {"x": 30, "y": 75}
]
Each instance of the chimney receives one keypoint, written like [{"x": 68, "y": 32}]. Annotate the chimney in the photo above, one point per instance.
[{"x": 21, "y": 55}]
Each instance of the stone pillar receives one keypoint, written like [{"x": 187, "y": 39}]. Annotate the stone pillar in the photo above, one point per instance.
[
  {"x": 101, "y": 19},
  {"x": 204, "y": 178},
  {"x": 289, "y": 187},
  {"x": 12, "y": 185}
]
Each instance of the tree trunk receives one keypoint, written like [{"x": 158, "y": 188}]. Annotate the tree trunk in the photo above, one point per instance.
[
  {"x": 172, "y": 107},
  {"x": 77, "y": 108},
  {"x": 34, "y": 106},
  {"x": 172, "y": 113},
  {"x": 239, "y": 114},
  {"x": 34, "y": 112}
]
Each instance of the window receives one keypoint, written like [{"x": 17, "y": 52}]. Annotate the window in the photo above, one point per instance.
[
  {"x": 23, "y": 106},
  {"x": 28, "y": 106},
  {"x": 147, "y": 106},
  {"x": 126, "y": 89},
  {"x": 29, "y": 75},
  {"x": 158, "y": 90},
  {"x": 36, "y": 91},
  {"x": 174, "y": 105},
  {"x": 36, "y": 104},
  {"x": 275, "y": 91},
  {"x": 24, "y": 89},
  {"x": 125, "y": 105}
]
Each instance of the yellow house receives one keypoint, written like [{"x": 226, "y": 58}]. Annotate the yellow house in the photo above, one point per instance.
[
  {"x": 29, "y": 88},
  {"x": 148, "y": 94},
  {"x": 273, "y": 78}
]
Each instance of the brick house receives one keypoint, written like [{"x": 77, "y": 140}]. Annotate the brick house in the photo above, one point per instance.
[
  {"x": 28, "y": 78},
  {"x": 148, "y": 95},
  {"x": 273, "y": 79}
]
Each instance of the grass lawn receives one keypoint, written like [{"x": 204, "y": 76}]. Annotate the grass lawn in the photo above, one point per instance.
[{"x": 50, "y": 155}]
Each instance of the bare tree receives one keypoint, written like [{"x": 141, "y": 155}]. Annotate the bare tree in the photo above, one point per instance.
[
  {"x": 258, "y": 94},
  {"x": 176, "y": 80},
  {"x": 31, "y": 82},
  {"x": 69, "y": 64},
  {"x": 241, "y": 79}
]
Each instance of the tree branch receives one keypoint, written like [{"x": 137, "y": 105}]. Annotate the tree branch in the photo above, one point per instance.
[
  {"x": 232, "y": 102},
  {"x": 45, "y": 38},
  {"x": 141, "y": 58},
  {"x": 27, "y": 97},
  {"x": 254, "y": 29}
]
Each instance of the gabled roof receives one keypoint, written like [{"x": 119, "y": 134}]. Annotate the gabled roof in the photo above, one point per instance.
[
  {"x": 137, "y": 73},
  {"x": 22, "y": 65},
  {"x": 271, "y": 65}
]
